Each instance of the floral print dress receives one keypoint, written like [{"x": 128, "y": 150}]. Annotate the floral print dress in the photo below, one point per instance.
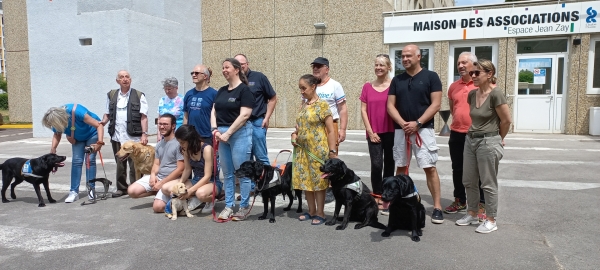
[
  {"x": 172, "y": 106},
  {"x": 312, "y": 136}
]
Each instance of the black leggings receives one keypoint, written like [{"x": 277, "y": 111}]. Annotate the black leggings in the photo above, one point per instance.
[
  {"x": 456, "y": 143},
  {"x": 382, "y": 160}
]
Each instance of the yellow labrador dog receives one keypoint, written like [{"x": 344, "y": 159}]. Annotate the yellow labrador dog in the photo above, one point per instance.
[
  {"x": 177, "y": 204},
  {"x": 142, "y": 156}
]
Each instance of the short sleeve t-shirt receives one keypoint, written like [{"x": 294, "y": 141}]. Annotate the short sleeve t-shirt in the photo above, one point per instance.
[
  {"x": 168, "y": 153},
  {"x": 198, "y": 105},
  {"x": 83, "y": 131},
  {"x": 457, "y": 93},
  {"x": 172, "y": 106},
  {"x": 229, "y": 102},
  {"x": 485, "y": 118},
  {"x": 413, "y": 94},
  {"x": 333, "y": 93},
  {"x": 376, "y": 101},
  {"x": 262, "y": 90}
]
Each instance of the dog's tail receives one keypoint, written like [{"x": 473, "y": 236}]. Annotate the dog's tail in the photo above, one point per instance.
[{"x": 377, "y": 224}]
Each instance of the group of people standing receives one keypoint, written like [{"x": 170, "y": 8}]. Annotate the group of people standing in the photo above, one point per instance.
[{"x": 397, "y": 114}]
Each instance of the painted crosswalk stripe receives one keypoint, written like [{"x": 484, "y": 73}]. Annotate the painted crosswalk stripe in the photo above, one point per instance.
[{"x": 38, "y": 240}]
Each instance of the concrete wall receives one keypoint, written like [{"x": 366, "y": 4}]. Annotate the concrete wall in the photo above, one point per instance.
[
  {"x": 280, "y": 40},
  {"x": 149, "y": 38}
]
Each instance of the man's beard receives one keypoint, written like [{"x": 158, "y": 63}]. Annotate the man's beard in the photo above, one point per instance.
[{"x": 168, "y": 133}]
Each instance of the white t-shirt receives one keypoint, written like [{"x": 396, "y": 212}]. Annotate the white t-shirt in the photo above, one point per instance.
[{"x": 333, "y": 93}]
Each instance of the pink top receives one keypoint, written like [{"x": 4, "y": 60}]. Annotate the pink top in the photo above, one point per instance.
[
  {"x": 458, "y": 92},
  {"x": 376, "y": 102}
]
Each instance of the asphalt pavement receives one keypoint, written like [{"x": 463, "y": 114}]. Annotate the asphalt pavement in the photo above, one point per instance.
[{"x": 547, "y": 219}]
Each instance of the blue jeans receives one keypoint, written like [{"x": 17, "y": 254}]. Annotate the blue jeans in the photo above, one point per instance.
[
  {"x": 78, "y": 161},
  {"x": 259, "y": 141},
  {"x": 232, "y": 154}
]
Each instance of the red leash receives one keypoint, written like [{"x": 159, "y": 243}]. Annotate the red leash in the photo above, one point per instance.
[
  {"x": 215, "y": 219},
  {"x": 418, "y": 142}
]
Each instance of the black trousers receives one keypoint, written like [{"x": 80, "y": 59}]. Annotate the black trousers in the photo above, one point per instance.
[
  {"x": 122, "y": 169},
  {"x": 382, "y": 160},
  {"x": 456, "y": 143}
]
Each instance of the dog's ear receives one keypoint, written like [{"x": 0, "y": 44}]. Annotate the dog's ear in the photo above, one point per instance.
[
  {"x": 258, "y": 169},
  {"x": 343, "y": 166}
]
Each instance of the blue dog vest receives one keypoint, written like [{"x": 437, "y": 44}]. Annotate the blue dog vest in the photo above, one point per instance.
[{"x": 27, "y": 171}]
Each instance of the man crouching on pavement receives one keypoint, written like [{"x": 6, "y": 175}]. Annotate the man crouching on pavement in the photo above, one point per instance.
[{"x": 168, "y": 165}]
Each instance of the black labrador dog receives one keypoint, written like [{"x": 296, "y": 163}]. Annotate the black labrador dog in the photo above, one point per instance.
[
  {"x": 406, "y": 210},
  {"x": 36, "y": 172},
  {"x": 269, "y": 183},
  {"x": 353, "y": 194}
]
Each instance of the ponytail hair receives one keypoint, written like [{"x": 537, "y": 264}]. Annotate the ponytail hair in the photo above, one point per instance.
[
  {"x": 311, "y": 79},
  {"x": 488, "y": 67},
  {"x": 236, "y": 65}
]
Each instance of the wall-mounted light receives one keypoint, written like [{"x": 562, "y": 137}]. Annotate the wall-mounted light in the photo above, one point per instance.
[{"x": 320, "y": 25}]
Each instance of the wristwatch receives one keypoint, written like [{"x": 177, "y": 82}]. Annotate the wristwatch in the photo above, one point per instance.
[
  {"x": 419, "y": 124},
  {"x": 145, "y": 133},
  {"x": 332, "y": 151}
]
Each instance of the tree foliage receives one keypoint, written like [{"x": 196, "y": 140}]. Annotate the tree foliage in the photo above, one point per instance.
[
  {"x": 3, "y": 83},
  {"x": 525, "y": 76}
]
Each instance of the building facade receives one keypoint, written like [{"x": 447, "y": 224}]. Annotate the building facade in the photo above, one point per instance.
[{"x": 544, "y": 51}]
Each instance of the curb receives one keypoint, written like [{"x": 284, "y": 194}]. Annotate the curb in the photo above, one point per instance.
[{"x": 9, "y": 126}]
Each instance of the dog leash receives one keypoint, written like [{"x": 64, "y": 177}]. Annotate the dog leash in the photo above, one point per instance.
[
  {"x": 418, "y": 142},
  {"x": 215, "y": 219}
]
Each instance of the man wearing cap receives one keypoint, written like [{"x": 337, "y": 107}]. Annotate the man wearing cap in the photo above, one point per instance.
[{"x": 331, "y": 91}]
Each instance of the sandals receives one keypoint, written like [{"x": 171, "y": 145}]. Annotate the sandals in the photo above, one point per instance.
[
  {"x": 319, "y": 220},
  {"x": 305, "y": 216}
]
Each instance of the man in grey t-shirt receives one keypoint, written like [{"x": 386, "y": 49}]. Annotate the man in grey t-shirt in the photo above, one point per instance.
[{"x": 168, "y": 165}]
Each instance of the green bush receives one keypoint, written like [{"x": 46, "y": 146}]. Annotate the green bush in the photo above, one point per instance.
[
  {"x": 4, "y": 101},
  {"x": 3, "y": 83}
]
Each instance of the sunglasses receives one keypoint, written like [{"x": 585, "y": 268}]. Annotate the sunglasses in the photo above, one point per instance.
[
  {"x": 476, "y": 72},
  {"x": 195, "y": 73},
  {"x": 383, "y": 55}
]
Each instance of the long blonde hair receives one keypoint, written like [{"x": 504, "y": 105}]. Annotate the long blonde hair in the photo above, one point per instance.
[{"x": 57, "y": 118}]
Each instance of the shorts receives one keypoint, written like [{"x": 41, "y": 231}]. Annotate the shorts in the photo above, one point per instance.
[
  {"x": 219, "y": 183},
  {"x": 145, "y": 182},
  {"x": 426, "y": 155}
]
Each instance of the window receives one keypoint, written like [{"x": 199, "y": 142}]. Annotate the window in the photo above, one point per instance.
[
  {"x": 594, "y": 67},
  {"x": 483, "y": 51},
  {"x": 426, "y": 58}
]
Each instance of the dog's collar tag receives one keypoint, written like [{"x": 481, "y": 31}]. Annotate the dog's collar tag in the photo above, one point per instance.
[{"x": 27, "y": 171}]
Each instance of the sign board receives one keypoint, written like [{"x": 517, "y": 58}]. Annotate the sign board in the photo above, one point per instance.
[
  {"x": 539, "y": 76},
  {"x": 553, "y": 19}
]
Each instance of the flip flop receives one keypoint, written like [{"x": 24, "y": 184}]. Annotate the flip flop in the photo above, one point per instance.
[
  {"x": 306, "y": 216},
  {"x": 319, "y": 219}
]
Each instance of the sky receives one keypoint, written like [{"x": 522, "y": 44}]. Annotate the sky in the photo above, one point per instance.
[{"x": 476, "y": 2}]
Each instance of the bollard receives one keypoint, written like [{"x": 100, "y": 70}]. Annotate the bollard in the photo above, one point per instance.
[{"x": 445, "y": 129}]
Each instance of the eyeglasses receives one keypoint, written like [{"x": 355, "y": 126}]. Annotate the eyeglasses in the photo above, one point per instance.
[
  {"x": 383, "y": 55},
  {"x": 196, "y": 73},
  {"x": 164, "y": 124},
  {"x": 475, "y": 72}
]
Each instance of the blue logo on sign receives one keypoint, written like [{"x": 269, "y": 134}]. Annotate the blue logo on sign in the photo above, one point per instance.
[{"x": 591, "y": 18}]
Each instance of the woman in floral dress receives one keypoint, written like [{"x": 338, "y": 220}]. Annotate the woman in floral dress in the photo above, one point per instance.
[{"x": 314, "y": 141}]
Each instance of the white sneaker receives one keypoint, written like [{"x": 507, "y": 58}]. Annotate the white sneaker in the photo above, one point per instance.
[
  {"x": 193, "y": 203},
  {"x": 467, "y": 219},
  {"x": 241, "y": 214},
  {"x": 487, "y": 227},
  {"x": 73, "y": 196},
  {"x": 208, "y": 207},
  {"x": 226, "y": 213}
]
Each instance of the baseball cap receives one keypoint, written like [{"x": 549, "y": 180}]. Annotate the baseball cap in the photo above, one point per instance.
[{"x": 320, "y": 61}]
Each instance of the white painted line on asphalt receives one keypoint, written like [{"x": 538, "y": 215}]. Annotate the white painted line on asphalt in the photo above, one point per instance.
[{"x": 37, "y": 240}]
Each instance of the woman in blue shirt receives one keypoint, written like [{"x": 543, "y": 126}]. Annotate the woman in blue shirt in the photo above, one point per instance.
[
  {"x": 172, "y": 103},
  {"x": 85, "y": 130}
]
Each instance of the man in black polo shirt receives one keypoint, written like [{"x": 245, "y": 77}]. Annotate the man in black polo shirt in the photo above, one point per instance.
[{"x": 415, "y": 96}]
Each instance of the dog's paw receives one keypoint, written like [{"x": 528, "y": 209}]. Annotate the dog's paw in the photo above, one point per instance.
[
  {"x": 341, "y": 227},
  {"x": 174, "y": 218},
  {"x": 330, "y": 222},
  {"x": 262, "y": 217},
  {"x": 271, "y": 220},
  {"x": 385, "y": 234},
  {"x": 287, "y": 209},
  {"x": 190, "y": 215},
  {"x": 299, "y": 210},
  {"x": 5, "y": 201},
  {"x": 52, "y": 200},
  {"x": 41, "y": 205},
  {"x": 358, "y": 226},
  {"x": 169, "y": 216},
  {"x": 13, "y": 196},
  {"x": 415, "y": 238},
  {"x": 420, "y": 233}
]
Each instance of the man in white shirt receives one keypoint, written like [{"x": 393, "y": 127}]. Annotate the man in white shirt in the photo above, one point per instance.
[{"x": 121, "y": 106}]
